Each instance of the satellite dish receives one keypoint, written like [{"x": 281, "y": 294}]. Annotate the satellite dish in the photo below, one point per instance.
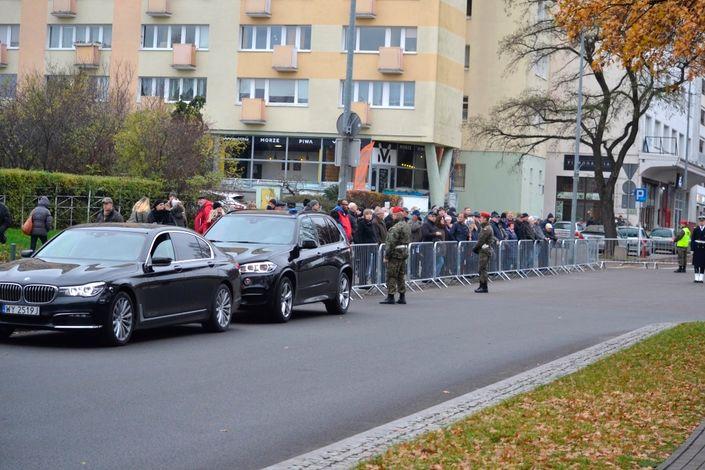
[{"x": 352, "y": 127}]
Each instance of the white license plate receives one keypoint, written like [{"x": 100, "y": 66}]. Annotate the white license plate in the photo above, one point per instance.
[{"x": 20, "y": 310}]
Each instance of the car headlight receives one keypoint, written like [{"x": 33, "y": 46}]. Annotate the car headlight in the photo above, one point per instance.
[
  {"x": 86, "y": 290},
  {"x": 258, "y": 268}
]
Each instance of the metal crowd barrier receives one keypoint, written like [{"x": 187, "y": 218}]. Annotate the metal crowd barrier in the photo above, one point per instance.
[
  {"x": 645, "y": 252},
  {"x": 441, "y": 264}
]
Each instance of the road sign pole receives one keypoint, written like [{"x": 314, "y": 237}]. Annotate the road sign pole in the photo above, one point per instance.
[
  {"x": 347, "y": 104},
  {"x": 687, "y": 154},
  {"x": 576, "y": 159}
]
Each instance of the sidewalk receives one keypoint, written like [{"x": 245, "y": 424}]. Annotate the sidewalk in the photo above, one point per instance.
[{"x": 691, "y": 454}]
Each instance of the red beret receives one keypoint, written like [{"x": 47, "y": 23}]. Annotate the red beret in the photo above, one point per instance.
[
  {"x": 397, "y": 209},
  {"x": 485, "y": 215},
  {"x": 684, "y": 222}
]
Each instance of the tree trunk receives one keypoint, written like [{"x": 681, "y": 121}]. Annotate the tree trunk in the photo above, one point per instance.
[
  {"x": 607, "y": 209},
  {"x": 438, "y": 174}
]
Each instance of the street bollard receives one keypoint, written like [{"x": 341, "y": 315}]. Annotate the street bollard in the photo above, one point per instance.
[{"x": 13, "y": 251}]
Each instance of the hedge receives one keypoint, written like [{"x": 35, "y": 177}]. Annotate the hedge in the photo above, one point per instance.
[
  {"x": 372, "y": 199},
  {"x": 74, "y": 198}
]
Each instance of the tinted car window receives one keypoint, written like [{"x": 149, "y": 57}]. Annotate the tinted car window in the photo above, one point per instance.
[
  {"x": 187, "y": 246},
  {"x": 89, "y": 244},
  {"x": 335, "y": 234},
  {"x": 163, "y": 248},
  {"x": 249, "y": 228},
  {"x": 307, "y": 231},
  {"x": 324, "y": 234},
  {"x": 662, "y": 233},
  {"x": 205, "y": 248}
]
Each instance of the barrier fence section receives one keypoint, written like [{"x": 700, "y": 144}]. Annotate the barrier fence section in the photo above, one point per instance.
[
  {"x": 647, "y": 252},
  {"x": 443, "y": 263}
]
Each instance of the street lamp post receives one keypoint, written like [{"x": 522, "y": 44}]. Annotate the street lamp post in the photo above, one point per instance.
[
  {"x": 346, "y": 136},
  {"x": 576, "y": 158},
  {"x": 687, "y": 149}
]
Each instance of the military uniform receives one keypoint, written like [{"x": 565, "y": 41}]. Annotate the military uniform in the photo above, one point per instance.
[
  {"x": 485, "y": 243},
  {"x": 396, "y": 253},
  {"x": 697, "y": 244}
]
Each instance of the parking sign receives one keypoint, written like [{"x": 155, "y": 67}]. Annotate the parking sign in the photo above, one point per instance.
[{"x": 640, "y": 194}]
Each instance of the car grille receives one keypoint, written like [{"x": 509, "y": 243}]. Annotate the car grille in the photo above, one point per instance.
[
  {"x": 39, "y": 294},
  {"x": 10, "y": 292}
]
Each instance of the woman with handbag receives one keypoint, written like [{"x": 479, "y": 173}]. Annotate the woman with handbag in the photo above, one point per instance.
[{"x": 41, "y": 222}]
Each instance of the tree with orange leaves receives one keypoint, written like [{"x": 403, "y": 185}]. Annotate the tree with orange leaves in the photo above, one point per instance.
[{"x": 637, "y": 53}]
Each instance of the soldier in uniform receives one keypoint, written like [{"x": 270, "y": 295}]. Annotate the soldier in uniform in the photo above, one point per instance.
[
  {"x": 682, "y": 241},
  {"x": 396, "y": 252},
  {"x": 485, "y": 243},
  {"x": 697, "y": 244}
]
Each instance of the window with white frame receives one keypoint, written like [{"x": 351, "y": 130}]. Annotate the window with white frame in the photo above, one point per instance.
[
  {"x": 371, "y": 38},
  {"x": 10, "y": 35},
  {"x": 65, "y": 36},
  {"x": 165, "y": 36},
  {"x": 383, "y": 94},
  {"x": 8, "y": 85},
  {"x": 467, "y": 57},
  {"x": 274, "y": 91},
  {"x": 466, "y": 107},
  {"x": 173, "y": 89},
  {"x": 265, "y": 37}
]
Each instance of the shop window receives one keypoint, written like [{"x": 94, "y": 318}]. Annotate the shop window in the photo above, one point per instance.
[{"x": 459, "y": 177}]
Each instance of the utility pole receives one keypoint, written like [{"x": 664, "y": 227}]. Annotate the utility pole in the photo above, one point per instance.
[
  {"x": 576, "y": 158},
  {"x": 687, "y": 152},
  {"x": 344, "y": 177}
]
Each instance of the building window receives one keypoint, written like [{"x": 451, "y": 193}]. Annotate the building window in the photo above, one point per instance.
[
  {"x": 459, "y": 177},
  {"x": 383, "y": 94},
  {"x": 173, "y": 89},
  {"x": 10, "y": 35},
  {"x": 467, "y": 57},
  {"x": 466, "y": 107},
  {"x": 264, "y": 38},
  {"x": 65, "y": 36},
  {"x": 702, "y": 146},
  {"x": 274, "y": 91},
  {"x": 702, "y": 117},
  {"x": 371, "y": 38},
  {"x": 541, "y": 11},
  {"x": 541, "y": 68},
  {"x": 468, "y": 9},
  {"x": 8, "y": 86},
  {"x": 99, "y": 84},
  {"x": 165, "y": 36}
]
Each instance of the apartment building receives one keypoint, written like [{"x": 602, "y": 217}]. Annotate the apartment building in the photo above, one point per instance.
[{"x": 271, "y": 72}]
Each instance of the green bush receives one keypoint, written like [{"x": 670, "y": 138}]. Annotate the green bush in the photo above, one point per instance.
[
  {"x": 371, "y": 199},
  {"x": 74, "y": 198}
]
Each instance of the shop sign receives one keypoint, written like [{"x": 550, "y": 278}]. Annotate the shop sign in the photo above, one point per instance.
[
  {"x": 384, "y": 155},
  {"x": 587, "y": 163},
  {"x": 270, "y": 141}
]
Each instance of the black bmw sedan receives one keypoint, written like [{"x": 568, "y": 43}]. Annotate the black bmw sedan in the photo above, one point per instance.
[
  {"x": 287, "y": 260},
  {"x": 117, "y": 278}
]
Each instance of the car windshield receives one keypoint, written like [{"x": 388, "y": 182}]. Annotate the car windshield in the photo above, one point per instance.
[
  {"x": 246, "y": 228},
  {"x": 562, "y": 225},
  {"x": 662, "y": 233},
  {"x": 630, "y": 232},
  {"x": 98, "y": 245}
]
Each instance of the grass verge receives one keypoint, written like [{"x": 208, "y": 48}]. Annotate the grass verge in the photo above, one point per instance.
[
  {"x": 630, "y": 410},
  {"x": 15, "y": 235}
]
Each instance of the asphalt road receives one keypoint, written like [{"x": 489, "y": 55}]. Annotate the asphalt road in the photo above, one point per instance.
[{"x": 179, "y": 398}]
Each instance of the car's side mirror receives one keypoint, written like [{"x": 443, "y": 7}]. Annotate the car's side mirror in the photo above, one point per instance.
[
  {"x": 161, "y": 261},
  {"x": 309, "y": 244},
  {"x": 26, "y": 253}
]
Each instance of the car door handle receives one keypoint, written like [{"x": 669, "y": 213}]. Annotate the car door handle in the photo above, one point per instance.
[
  {"x": 178, "y": 268},
  {"x": 211, "y": 264}
]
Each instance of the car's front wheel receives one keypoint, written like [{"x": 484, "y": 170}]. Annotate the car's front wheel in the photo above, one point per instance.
[
  {"x": 120, "y": 322},
  {"x": 221, "y": 310},
  {"x": 6, "y": 332},
  {"x": 282, "y": 303},
  {"x": 340, "y": 304}
]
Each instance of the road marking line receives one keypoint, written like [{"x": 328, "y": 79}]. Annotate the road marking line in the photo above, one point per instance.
[{"x": 350, "y": 451}]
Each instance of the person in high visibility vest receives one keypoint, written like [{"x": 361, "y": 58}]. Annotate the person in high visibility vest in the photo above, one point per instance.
[{"x": 682, "y": 240}]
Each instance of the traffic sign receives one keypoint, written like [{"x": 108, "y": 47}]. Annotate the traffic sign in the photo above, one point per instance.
[
  {"x": 352, "y": 127},
  {"x": 640, "y": 194}
]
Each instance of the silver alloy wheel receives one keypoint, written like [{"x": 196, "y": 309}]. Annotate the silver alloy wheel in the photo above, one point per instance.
[
  {"x": 344, "y": 293},
  {"x": 122, "y": 319},
  {"x": 223, "y": 307},
  {"x": 286, "y": 299}
]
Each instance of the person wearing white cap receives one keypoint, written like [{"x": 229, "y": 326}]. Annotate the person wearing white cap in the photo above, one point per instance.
[{"x": 697, "y": 244}]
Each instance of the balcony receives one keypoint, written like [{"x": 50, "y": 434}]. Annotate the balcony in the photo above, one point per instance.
[
  {"x": 253, "y": 111},
  {"x": 3, "y": 55},
  {"x": 284, "y": 59},
  {"x": 362, "y": 109},
  {"x": 391, "y": 60},
  {"x": 660, "y": 145},
  {"x": 365, "y": 9},
  {"x": 159, "y": 8},
  {"x": 184, "y": 57},
  {"x": 87, "y": 56},
  {"x": 258, "y": 8},
  {"x": 64, "y": 8}
]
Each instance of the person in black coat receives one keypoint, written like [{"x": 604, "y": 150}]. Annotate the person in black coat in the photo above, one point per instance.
[
  {"x": 430, "y": 231},
  {"x": 5, "y": 222},
  {"x": 160, "y": 214},
  {"x": 460, "y": 232},
  {"x": 365, "y": 231},
  {"x": 697, "y": 244}
]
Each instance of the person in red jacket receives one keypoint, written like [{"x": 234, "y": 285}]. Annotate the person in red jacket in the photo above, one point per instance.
[
  {"x": 342, "y": 217},
  {"x": 200, "y": 223}
]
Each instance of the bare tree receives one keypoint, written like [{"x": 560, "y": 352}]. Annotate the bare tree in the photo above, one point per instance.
[{"x": 615, "y": 98}]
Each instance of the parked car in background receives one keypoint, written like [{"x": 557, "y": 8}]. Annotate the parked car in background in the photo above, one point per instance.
[
  {"x": 115, "y": 279},
  {"x": 635, "y": 240},
  {"x": 287, "y": 260},
  {"x": 595, "y": 232},
  {"x": 662, "y": 240},
  {"x": 562, "y": 230}
]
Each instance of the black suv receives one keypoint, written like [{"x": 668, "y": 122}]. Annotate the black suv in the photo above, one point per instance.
[{"x": 287, "y": 260}]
